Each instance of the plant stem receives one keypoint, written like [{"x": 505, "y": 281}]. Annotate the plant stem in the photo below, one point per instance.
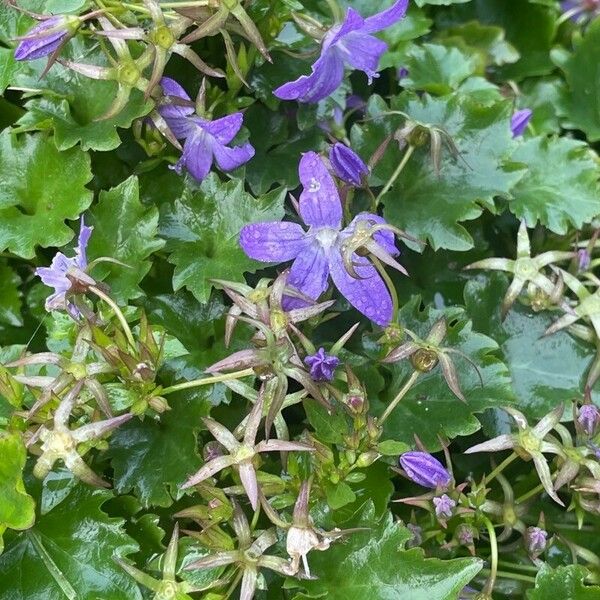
[
  {"x": 396, "y": 174},
  {"x": 509, "y": 459},
  {"x": 207, "y": 381},
  {"x": 489, "y": 586},
  {"x": 530, "y": 568},
  {"x": 536, "y": 490},
  {"x": 117, "y": 312},
  {"x": 507, "y": 575},
  {"x": 336, "y": 10},
  {"x": 392, "y": 405}
]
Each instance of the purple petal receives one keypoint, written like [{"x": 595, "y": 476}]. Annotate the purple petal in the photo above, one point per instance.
[
  {"x": 171, "y": 88},
  {"x": 309, "y": 275},
  {"x": 369, "y": 294},
  {"x": 362, "y": 52},
  {"x": 353, "y": 21},
  {"x": 386, "y": 18},
  {"x": 424, "y": 469},
  {"x": 84, "y": 237},
  {"x": 322, "y": 365},
  {"x": 326, "y": 77},
  {"x": 273, "y": 241},
  {"x": 226, "y": 128},
  {"x": 36, "y": 44},
  {"x": 519, "y": 121},
  {"x": 347, "y": 165},
  {"x": 384, "y": 238},
  {"x": 229, "y": 159},
  {"x": 197, "y": 155},
  {"x": 320, "y": 204}
]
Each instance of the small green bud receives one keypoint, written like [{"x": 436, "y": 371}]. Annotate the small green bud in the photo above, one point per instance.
[{"x": 366, "y": 459}]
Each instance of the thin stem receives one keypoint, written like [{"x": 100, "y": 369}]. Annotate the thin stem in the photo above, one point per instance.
[
  {"x": 569, "y": 14},
  {"x": 507, "y": 575},
  {"x": 530, "y": 568},
  {"x": 396, "y": 174},
  {"x": 207, "y": 381},
  {"x": 509, "y": 459},
  {"x": 489, "y": 586},
  {"x": 389, "y": 284},
  {"x": 536, "y": 490},
  {"x": 231, "y": 589},
  {"x": 117, "y": 312},
  {"x": 336, "y": 10},
  {"x": 392, "y": 405}
]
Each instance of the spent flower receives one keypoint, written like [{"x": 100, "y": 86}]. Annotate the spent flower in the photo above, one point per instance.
[
  {"x": 348, "y": 43},
  {"x": 322, "y": 365}
]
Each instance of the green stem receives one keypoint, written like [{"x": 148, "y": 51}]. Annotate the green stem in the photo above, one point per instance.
[
  {"x": 396, "y": 174},
  {"x": 536, "y": 490},
  {"x": 507, "y": 575},
  {"x": 489, "y": 586},
  {"x": 530, "y": 568},
  {"x": 509, "y": 459},
  {"x": 336, "y": 10},
  {"x": 117, "y": 312},
  {"x": 389, "y": 284},
  {"x": 392, "y": 405},
  {"x": 568, "y": 15},
  {"x": 207, "y": 381}
]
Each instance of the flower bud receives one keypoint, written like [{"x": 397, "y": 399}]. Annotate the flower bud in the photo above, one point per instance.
[
  {"x": 158, "y": 404},
  {"x": 366, "y": 459},
  {"x": 466, "y": 534},
  {"x": 583, "y": 260},
  {"x": 424, "y": 360},
  {"x": 347, "y": 165},
  {"x": 424, "y": 469},
  {"x": 536, "y": 540},
  {"x": 444, "y": 506},
  {"x": 519, "y": 121},
  {"x": 46, "y": 37},
  {"x": 355, "y": 403},
  {"x": 589, "y": 418}
]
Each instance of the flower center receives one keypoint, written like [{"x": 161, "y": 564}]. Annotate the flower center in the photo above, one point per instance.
[{"x": 326, "y": 236}]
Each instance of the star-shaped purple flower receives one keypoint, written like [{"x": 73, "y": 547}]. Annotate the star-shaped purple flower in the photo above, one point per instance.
[
  {"x": 55, "y": 275},
  {"x": 322, "y": 365},
  {"x": 319, "y": 252},
  {"x": 205, "y": 141},
  {"x": 347, "y": 43},
  {"x": 444, "y": 506}
]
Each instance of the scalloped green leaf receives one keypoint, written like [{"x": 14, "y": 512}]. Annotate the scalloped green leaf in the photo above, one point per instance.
[
  {"x": 40, "y": 188},
  {"x": 69, "y": 553},
  {"x": 17, "y": 507},
  {"x": 126, "y": 230},
  {"x": 429, "y": 205},
  {"x": 560, "y": 188},
  {"x": 10, "y": 297},
  {"x": 372, "y": 564},
  {"x": 566, "y": 583},
  {"x": 202, "y": 230},
  {"x": 430, "y": 408}
]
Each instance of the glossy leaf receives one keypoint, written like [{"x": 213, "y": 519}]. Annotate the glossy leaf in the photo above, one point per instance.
[
  {"x": 202, "y": 231},
  {"x": 566, "y": 583},
  {"x": 126, "y": 230},
  {"x": 10, "y": 297},
  {"x": 40, "y": 188}
]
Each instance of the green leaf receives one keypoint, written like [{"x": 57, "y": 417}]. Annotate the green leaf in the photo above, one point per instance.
[
  {"x": 126, "y": 230},
  {"x": 10, "y": 297},
  {"x": 40, "y": 187},
  {"x": 440, "y": 2},
  {"x": 544, "y": 370},
  {"x": 153, "y": 457},
  {"x": 17, "y": 507},
  {"x": 69, "y": 554},
  {"x": 566, "y": 583},
  {"x": 431, "y": 205},
  {"x": 582, "y": 72},
  {"x": 430, "y": 408},
  {"x": 560, "y": 187},
  {"x": 545, "y": 97},
  {"x": 392, "y": 448},
  {"x": 330, "y": 427},
  {"x": 339, "y": 494},
  {"x": 202, "y": 231},
  {"x": 372, "y": 564},
  {"x": 437, "y": 69}
]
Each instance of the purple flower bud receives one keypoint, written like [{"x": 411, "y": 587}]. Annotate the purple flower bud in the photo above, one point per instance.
[
  {"x": 589, "y": 418},
  {"x": 403, "y": 72},
  {"x": 322, "y": 365},
  {"x": 425, "y": 470},
  {"x": 347, "y": 165},
  {"x": 583, "y": 259},
  {"x": 46, "y": 37},
  {"x": 443, "y": 506},
  {"x": 519, "y": 121},
  {"x": 536, "y": 540}
]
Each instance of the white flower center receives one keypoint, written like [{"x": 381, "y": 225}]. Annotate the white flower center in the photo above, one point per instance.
[{"x": 326, "y": 236}]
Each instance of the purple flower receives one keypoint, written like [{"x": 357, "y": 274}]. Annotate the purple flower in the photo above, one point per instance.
[
  {"x": 583, "y": 259},
  {"x": 425, "y": 469},
  {"x": 347, "y": 165},
  {"x": 55, "y": 275},
  {"x": 589, "y": 418},
  {"x": 205, "y": 141},
  {"x": 536, "y": 540},
  {"x": 347, "y": 43},
  {"x": 519, "y": 121},
  {"x": 443, "y": 506},
  {"x": 322, "y": 365},
  {"x": 319, "y": 252},
  {"x": 46, "y": 37},
  {"x": 578, "y": 8},
  {"x": 402, "y": 72}
]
